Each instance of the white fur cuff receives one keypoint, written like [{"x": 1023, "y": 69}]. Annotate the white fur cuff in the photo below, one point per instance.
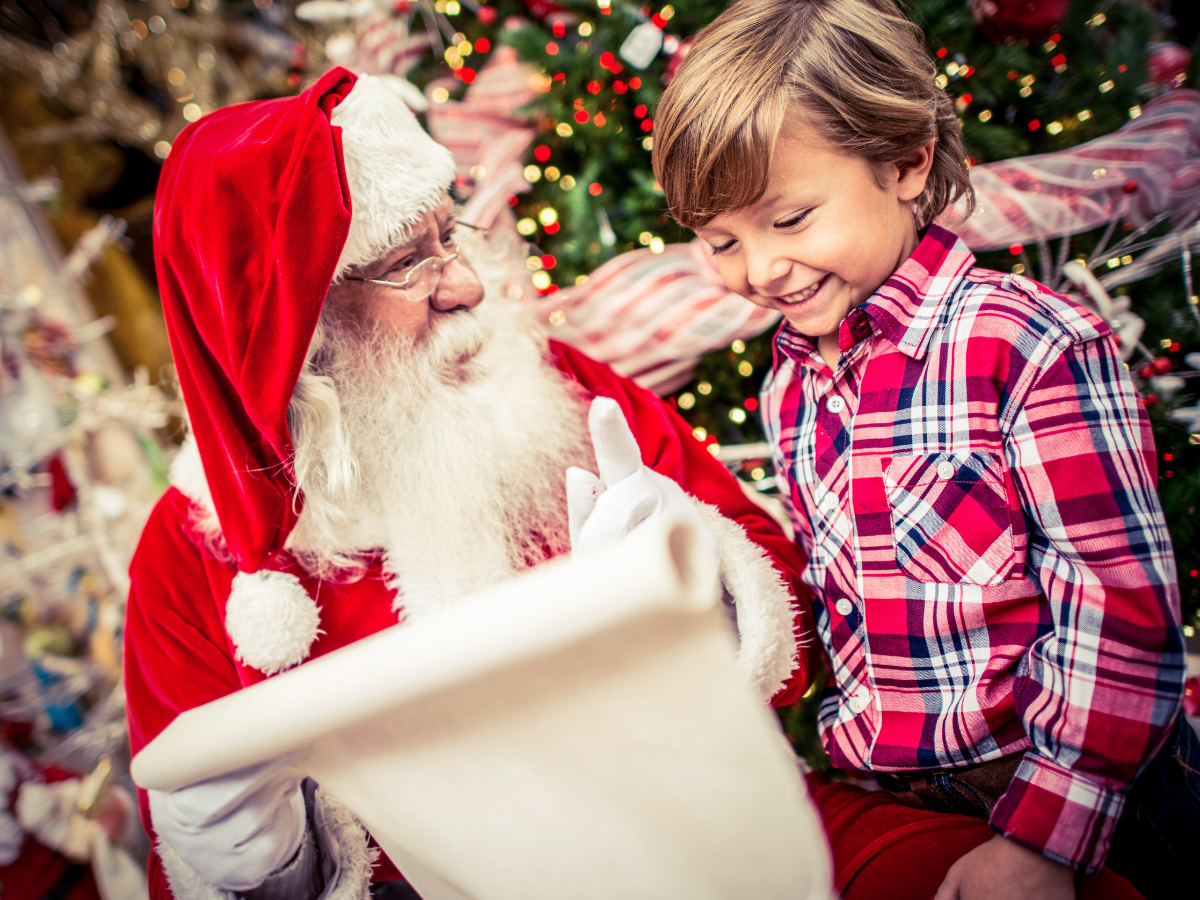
[
  {"x": 764, "y": 605},
  {"x": 271, "y": 620}
]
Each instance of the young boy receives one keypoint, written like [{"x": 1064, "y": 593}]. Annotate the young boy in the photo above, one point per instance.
[{"x": 969, "y": 467}]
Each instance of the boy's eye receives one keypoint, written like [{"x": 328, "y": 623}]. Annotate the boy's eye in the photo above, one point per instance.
[
  {"x": 796, "y": 220},
  {"x": 723, "y": 247}
]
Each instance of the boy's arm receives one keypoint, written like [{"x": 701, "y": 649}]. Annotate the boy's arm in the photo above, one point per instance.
[{"x": 1100, "y": 690}]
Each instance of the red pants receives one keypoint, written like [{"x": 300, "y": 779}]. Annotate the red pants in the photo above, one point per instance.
[{"x": 884, "y": 850}]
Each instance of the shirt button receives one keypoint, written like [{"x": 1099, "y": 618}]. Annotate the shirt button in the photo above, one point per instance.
[
  {"x": 829, "y": 502},
  {"x": 860, "y": 700},
  {"x": 945, "y": 470},
  {"x": 835, "y": 404},
  {"x": 844, "y": 607}
]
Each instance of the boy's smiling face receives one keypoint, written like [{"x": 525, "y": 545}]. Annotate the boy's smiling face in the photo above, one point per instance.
[{"x": 824, "y": 236}]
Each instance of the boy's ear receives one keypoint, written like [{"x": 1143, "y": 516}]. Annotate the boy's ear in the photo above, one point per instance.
[{"x": 913, "y": 171}]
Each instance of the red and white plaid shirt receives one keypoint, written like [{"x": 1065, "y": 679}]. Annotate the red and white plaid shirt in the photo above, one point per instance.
[{"x": 991, "y": 573}]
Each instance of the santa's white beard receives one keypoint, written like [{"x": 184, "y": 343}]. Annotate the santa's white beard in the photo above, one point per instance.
[{"x": 462, "y": 441}]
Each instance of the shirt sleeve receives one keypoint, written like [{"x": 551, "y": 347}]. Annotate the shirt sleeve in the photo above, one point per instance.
[{"x": 1100, "y": 689}]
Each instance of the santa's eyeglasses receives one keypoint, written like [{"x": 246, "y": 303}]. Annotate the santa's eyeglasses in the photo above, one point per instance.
[{"x": 422, "y": 279}]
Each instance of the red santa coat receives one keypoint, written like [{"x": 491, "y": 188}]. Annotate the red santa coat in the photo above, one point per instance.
[{"x": 178, "y": 654}]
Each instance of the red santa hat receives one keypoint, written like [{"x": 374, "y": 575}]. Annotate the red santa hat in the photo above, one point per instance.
[{"x": 260, "y": 207}]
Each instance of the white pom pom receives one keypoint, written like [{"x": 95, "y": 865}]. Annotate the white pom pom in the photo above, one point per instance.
[{"x": 271, "y": 619}]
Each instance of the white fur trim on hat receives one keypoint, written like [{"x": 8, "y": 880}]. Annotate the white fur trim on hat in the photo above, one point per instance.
[
  {"x": 764, "y": 605},
  {"x": 271, "y": 620},
  {"x": 395, "y": 170}
]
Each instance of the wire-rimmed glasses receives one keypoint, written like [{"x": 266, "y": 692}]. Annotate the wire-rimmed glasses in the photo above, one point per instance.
[{"x": 422, "y": 279}]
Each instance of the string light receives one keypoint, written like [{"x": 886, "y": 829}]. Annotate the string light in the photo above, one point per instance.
[
  {"x": 567, "y": 182},
  {"x": 532, "y": 174},
  {"x": 737, "y": 415},
  {"x": 704, "y": 388},
  {"x": 745, "y": 369},
  {"x": 526, "y": 227},
  {"x": 562, "y": 129},
  {"x": 548, "y": 216},
  {"x": 687, "y": 400},
  {"x": 551, "y": 173},
  {"x": 541, "y": 280},
  {"x": 738, "y": 346}
]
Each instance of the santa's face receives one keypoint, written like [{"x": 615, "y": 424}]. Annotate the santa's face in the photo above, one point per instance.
[{"x": 391, "y": 307}]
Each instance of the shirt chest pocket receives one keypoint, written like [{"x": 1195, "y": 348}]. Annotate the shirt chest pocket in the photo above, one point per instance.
[{"x": 951, "y": 518}]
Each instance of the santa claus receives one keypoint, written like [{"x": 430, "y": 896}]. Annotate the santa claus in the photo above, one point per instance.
[{"x": 376, "y": 430}]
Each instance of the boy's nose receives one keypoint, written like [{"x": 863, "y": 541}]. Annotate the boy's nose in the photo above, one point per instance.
[{"x": 768, "y": 275}]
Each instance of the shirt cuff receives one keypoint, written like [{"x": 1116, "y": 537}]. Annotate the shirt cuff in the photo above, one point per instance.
[{"x": 1059, "y": 812}]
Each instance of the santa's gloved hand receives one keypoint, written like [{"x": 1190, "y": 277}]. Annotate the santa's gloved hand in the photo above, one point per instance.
[
  {"x": 236, "y": 829},
  {"x": 603, "y": 510}
]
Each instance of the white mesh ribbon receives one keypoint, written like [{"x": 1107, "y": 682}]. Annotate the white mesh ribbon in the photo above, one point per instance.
[
  {"x": 487, "y": 139},
  {"x": 651, "y": 316},
  {"x": 1149, "y": 166}
]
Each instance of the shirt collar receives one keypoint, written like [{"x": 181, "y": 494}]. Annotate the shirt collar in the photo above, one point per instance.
[{"x": 905, "y": 307}]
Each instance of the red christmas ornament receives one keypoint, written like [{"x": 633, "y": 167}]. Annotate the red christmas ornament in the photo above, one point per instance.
[
  {"x": 62, "y": 491},
  {"x": 486, "y": 15},
  {"x": 543, "y": 9},
  {"x": 1191, "y": 697},
  {"x": 677, "y": 58},
  {"x": 1021, "y": 20},
  {"x": 1168, "y": 64},
  {"x": 1146, "y": 371},
  {"x": 1162, "y": 365}
]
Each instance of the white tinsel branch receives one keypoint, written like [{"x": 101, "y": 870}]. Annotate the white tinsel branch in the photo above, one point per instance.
[{"x": 89, "y": 247}]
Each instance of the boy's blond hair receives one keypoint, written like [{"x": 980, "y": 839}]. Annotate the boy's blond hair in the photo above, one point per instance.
[{"x": 857, "y": 72}]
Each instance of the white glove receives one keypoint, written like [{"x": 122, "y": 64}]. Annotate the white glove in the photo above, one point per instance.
[
  {"x": 602, "y": 511},
  {"x": 236, "y": 829}
]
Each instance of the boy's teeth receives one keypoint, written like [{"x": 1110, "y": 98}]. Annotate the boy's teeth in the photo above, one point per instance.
[{"x": 804, "y": 294}]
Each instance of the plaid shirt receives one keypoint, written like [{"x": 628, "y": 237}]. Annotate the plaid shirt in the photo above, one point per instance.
[{"x": 974, "y": 486}]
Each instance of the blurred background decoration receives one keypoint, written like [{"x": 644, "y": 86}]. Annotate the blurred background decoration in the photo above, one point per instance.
[{"x": 1083, "y": 133}]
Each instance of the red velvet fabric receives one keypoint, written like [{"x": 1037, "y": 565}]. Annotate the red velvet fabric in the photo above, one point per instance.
[
  {"x": 884, "y": 850},
  {"x": 179, "y": 656},
  {"x": 251, "y": 214}
]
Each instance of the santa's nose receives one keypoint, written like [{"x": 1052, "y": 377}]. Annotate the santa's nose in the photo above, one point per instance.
[{"x": 459, "y": 288}]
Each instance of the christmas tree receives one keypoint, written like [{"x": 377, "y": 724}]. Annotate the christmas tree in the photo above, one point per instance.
[{"x": 1026, "y": 79}]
